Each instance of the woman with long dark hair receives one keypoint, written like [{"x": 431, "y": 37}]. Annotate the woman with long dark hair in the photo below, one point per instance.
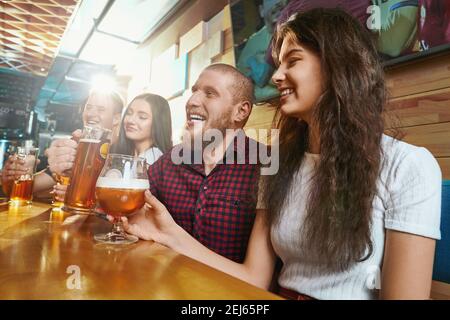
[
  {"x": 352, "y": 213},
  {"x": 351, "y": 210},
  {"x": 146, "y": 128}
]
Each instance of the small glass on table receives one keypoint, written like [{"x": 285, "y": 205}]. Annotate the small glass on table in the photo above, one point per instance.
[
  {"x": 22, "y": 188},
  {"x": 120, "y": 192}
]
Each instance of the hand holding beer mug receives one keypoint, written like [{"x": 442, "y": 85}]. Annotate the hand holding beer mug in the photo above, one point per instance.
[
  {"x": 22, "y": 188},
  {"x": 8, "y": 175},
  {"x": 120, "y": 192},
  {"x": 12, "y": 168},
  {"x": 61, "y": 154}
]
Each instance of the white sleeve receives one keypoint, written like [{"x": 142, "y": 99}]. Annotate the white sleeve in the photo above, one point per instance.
[{"x": 414, "y": 195}]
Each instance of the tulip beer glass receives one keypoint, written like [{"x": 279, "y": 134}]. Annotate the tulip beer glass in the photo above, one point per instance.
[
  {"x": 22, "y": 188},
  {"x": 120, "y": 192},
  {"x": 92, "y": 149}
]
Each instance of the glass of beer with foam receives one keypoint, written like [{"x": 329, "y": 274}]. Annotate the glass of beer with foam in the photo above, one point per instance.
[
  {"x": 91, "y": 153},
  {"x": 22, "y": 187},
  {"x": 120, "y": 192}
]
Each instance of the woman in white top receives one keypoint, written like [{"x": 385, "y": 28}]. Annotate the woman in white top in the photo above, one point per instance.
[
  {"x": 146, "y": 128},
  {"x": 352, "y": 213}
]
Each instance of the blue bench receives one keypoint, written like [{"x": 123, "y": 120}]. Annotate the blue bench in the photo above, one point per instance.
[{"x": 441, "y": 270}]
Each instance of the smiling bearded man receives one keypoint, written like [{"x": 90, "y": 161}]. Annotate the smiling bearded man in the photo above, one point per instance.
[{"x": 215, "y": 203}]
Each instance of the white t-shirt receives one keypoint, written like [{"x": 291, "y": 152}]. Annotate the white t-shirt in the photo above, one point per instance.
[
  {"x": 408, "y": 200},
  {"x": 151, "y": 155}
]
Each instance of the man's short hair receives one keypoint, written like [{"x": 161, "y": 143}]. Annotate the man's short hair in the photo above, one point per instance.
[
  {"x": 118, "y": 101},
  {"x": 242, "y": 87},
  {"x": 115, "y": 97}
]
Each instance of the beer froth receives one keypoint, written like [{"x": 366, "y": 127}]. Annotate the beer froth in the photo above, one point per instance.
[{"x": 112, "y": 183}]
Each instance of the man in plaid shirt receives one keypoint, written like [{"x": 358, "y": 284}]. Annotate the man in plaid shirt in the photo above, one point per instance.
[{"x": 212, "y": 204}]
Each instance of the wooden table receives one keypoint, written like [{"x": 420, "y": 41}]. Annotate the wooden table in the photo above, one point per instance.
[{"x": 48, "y": 255}]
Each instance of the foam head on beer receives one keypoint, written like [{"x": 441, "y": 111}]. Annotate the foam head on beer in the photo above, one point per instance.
[
  {"x": 120, "y": 197},
  {"x": 114, "y": 183}
]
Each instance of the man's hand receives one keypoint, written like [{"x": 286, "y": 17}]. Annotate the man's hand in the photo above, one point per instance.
[
  {"x": 61, "y": 153},
  {"x": 13, "y": 168},
  {"x": 153, "y": 222}
]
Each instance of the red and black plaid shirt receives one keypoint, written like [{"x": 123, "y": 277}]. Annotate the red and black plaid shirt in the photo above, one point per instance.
[{"x": 217, "y": 209}]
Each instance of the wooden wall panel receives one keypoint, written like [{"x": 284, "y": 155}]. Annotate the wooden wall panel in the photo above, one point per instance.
[
  {"x": 188, "y": 17},
  {"x": 261, "y": 117},
  {"x": 440, "y": 291},
  {"x": 434, "y": 137},
  {"x": 227, "y": 40},
  {"x": 193, "y": 38},
  {"x": 419, "y": 109},
  {"x": 198, "y": 60},
  {"x": 227, "y": 57},
  {"x": 228, "y": 49},
  {"x": 419, "y": 76}
]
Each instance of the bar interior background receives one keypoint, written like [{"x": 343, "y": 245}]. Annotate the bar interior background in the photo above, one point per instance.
[{"x": 50, "y": 49}]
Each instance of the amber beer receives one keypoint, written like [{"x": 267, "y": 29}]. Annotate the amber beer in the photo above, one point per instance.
[
  {"x": 7, "y": 187},
  {"x": 22, "y": 191},
  {"x": 120, "y": 197},
  {"x": 22, "y": 188},
  {"x": 120, "y": 191},
  {"x": 89, "y": 161}
]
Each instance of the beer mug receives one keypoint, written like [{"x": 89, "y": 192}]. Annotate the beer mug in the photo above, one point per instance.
[
  {"x": 120, "y": 192},
  {"x": 91, "y": 153},
  {"x": 22, "y": 188}
]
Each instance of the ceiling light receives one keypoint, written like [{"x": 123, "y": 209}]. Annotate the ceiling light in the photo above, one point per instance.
[
  {"x": 103, "y": 83},
  {"x": 106, "y": 49}
]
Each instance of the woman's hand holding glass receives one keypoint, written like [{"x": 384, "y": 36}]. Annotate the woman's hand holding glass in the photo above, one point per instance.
[{"x": 152, "y": 222}]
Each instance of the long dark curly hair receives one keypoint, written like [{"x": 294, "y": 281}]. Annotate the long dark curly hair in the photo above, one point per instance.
[{"x": 337, "y": 225}]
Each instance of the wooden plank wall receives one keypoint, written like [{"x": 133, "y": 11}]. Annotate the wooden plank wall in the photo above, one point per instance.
[{"x": 420, "y": 105}]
